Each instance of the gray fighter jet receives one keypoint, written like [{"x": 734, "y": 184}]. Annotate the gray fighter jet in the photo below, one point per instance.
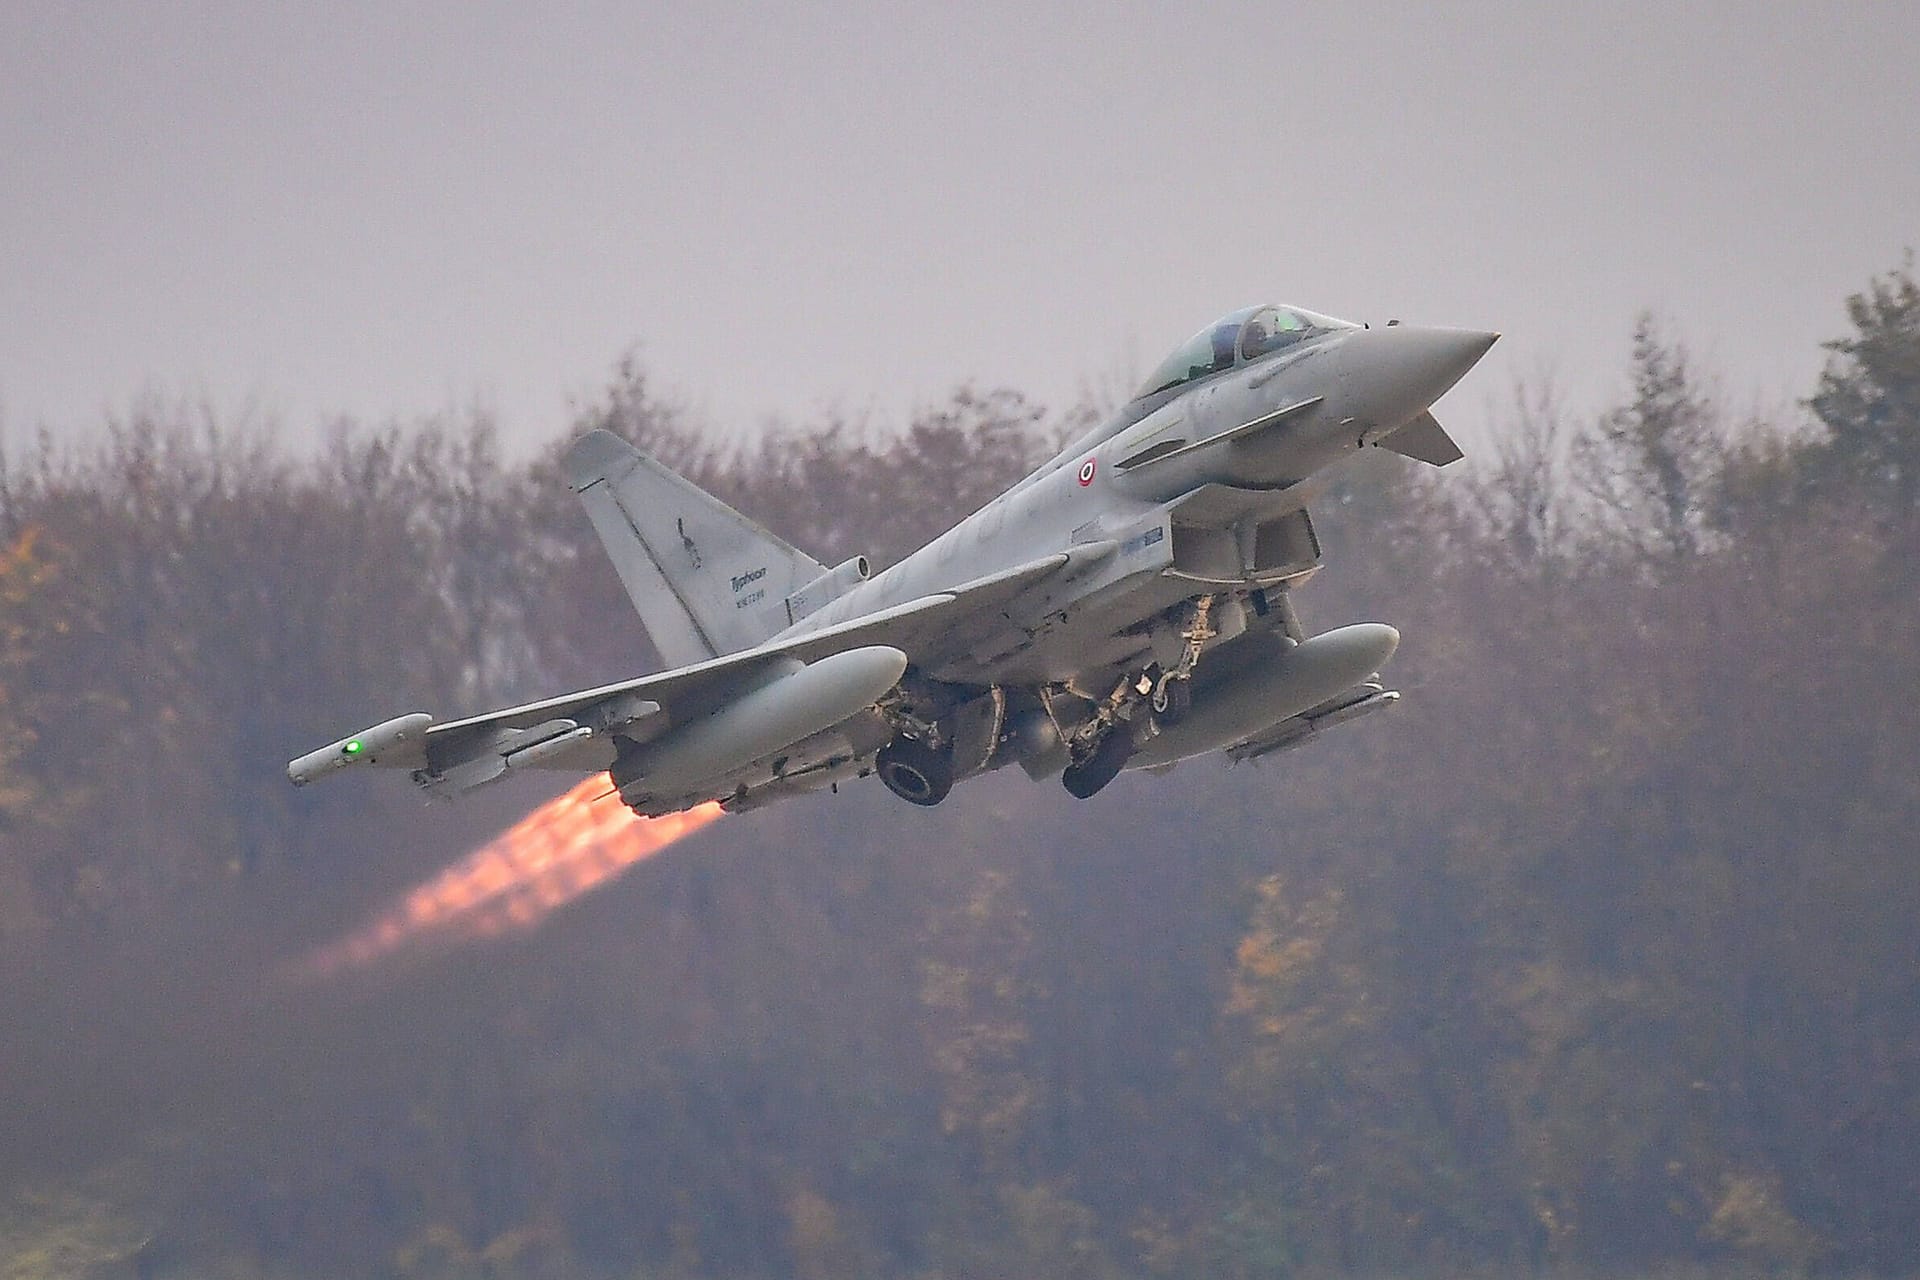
[{"x": 1125, "y": 606}]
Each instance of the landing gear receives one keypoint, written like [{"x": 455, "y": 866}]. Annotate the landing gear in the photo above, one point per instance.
[
  {"x": 1088, "y": 776},
  {"x": 1169, "y": 693},
  {"x": 914, "y": 771},
  {"x": 1171, "y": 699},
  {"x": 1143, "y": 703}
]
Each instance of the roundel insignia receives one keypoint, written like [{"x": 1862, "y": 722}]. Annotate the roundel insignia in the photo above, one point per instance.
[{"x": 1087, "y": 469}]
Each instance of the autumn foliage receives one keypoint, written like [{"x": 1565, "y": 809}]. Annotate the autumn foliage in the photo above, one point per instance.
[{"x": 1598, "y": 953}]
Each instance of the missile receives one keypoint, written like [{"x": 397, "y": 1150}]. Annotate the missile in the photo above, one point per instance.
[
  {"x": 1303, "y": 728},
  {"x": 1284, "y": 681},
  {"x": 800, "y": 701},
  {"x": 816, "y": 779},
  {"x": 365, "y": 747}
]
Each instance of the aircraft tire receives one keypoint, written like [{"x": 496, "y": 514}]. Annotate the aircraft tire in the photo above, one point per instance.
[
  {"x": 914, "y": 771},
  {"x": 1085, "y": 779},
  {"x": 1171, "y": 701}
]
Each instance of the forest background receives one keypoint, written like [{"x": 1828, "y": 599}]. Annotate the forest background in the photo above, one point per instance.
[{"x": 1598, "y": 955}]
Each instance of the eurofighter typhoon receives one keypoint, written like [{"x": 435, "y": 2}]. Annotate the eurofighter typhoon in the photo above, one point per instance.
[{"x": 1125, "y": 606}]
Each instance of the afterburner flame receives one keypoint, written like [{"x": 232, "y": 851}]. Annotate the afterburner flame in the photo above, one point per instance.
[{"x": 567, "y": 846}]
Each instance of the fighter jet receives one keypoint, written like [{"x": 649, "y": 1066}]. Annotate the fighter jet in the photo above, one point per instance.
[{"x": 1126, "y": 605}]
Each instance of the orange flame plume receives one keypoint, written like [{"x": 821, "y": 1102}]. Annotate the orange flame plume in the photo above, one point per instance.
[{"x": 561, "y": 850}]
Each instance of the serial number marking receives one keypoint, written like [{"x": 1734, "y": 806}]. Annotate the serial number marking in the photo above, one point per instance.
[{"x": 752, "y": 597}]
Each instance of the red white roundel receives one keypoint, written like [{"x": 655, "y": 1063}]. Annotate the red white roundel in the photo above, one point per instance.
[{"x": 1087, "y": 469}]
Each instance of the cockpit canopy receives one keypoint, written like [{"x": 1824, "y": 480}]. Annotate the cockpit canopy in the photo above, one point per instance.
[{"x": 1245, "y": 335}]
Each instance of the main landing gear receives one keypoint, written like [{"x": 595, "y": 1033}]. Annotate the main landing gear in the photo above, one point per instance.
[
  {"x": 1159, "y": 697},
  {"x": 917, "y": 773},
  {"x": 1101, "y": 766}
]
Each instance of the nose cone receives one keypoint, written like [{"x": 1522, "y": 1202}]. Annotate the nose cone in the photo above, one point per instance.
[{"x": 1388, "y": 376}]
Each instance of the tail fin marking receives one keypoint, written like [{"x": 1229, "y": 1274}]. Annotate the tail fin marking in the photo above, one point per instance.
[{"x": 705, "y": 579}]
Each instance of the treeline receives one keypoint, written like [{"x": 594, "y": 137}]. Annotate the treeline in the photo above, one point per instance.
[{"x": 1597, "y": 953}]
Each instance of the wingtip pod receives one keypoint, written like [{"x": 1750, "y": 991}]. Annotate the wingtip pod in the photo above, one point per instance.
[{"x": 366, "y": 747}]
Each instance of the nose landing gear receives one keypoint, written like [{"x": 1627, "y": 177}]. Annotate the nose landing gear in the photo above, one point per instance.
[
  {"x": 1171, "y": 696},
  {"x": 1171, "y": 699}
]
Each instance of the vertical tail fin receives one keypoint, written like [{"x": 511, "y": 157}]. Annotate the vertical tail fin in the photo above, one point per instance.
[{"x": 706, "y": 580}]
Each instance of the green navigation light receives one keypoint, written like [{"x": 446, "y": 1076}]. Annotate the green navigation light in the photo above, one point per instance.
[{"x": 353, "y": 747}]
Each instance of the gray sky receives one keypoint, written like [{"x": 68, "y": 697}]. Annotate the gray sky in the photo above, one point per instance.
[{"x": 396, "y": 208}]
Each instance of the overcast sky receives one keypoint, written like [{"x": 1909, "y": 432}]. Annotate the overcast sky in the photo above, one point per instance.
[{"x": 394, "y": 208}]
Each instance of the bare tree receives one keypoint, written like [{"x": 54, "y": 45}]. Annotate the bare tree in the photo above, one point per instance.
[{"x": 1647, "y": 465}]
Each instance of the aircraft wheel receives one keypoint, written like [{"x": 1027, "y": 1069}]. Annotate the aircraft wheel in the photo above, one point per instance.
[
  {"x": 1171, "y": 700},
  {"x": 914, "y": 771},
  {"x": 1103, "y": 766}
]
